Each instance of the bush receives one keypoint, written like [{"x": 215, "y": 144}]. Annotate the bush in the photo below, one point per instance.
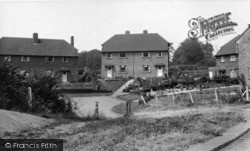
[
  {"x": 46, "y": 98},
  {"x": 13, "y": 89}
]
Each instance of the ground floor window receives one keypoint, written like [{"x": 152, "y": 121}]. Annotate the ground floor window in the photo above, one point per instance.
[
  {"x": 146, "y": 68},
  {"x": 222, "y": 72},
  {"x": 49, "y": 73},
  {"x": 122, "y": 68},
  {"x": 233, "y": 74}
]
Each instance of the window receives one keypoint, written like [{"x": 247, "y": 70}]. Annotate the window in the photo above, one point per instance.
[
  {"x": 159, "y": 54},
  {"x": 7, "y": 58},
  {"x": 222, "y": 59},
  {"x": 25, "y": 59},
  {"x": 145, "y": 54},
  {"x": 233, "y": 74},
  {"x": 25, "y": 73},
  {"x": 233, "y": 58},
  {"x": 146, "y": 68},
  {"x": 49, "y": 73},
  {"x": 109, "y": 55},
  {"x": 123, "y": 55},
  {"x": 49, "y": 59},
  {"x": 65, "y": 59},
  {"x": 80, "y": 72},
  {"x": 122, "y": 68}
]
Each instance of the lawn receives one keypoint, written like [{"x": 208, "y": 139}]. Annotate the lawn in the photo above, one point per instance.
[{"x": 161, "y": 134}]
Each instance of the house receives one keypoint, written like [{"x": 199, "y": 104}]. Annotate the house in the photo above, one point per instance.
[
  {"x": 243, "y": 48},
  {"x": 51, "y": 57},
  {"x": 135, "y": 55},
  {"x": 227, "y": 61}
]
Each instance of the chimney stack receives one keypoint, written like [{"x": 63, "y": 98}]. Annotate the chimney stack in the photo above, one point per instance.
[
  {"x": 35, "y": 38},
  {"x": 127, "y": 32},
  {"x": 145, "y": 31},
  {"x": 72, "y": 41}
]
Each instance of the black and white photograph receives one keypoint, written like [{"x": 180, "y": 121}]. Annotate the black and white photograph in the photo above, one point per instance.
[{"x": 124, "y": 75}]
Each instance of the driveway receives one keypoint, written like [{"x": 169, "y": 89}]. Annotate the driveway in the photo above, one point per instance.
[{"x": 106, "y": 103}]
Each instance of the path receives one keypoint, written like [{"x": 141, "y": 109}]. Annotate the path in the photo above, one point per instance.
[
  {"x": 106, "y": 103},
  {"x": 243, "y": 143},
  {"x": 120, "y": 90}
]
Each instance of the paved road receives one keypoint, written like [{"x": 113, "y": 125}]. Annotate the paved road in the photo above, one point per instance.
[
  {"x": 106, "y": 103},
  {"x": 242, "y": 144}
]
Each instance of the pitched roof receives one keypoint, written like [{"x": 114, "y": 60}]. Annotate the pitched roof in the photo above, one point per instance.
[
  {"x": 228, "y": 48},
  {"x": 45, "y": 47},
  {"x": 243, "y": 33},
  {"x": 135, "y": 42}
]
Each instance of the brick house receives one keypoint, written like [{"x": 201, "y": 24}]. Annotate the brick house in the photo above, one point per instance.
[
  {"x": 227, "y": 61},
  {"x": 243, "y": 48},
  {"x": 135, "y": 55},
  {"x": 51, "y": 57}
]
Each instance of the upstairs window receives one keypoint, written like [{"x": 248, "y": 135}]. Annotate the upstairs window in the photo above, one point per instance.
[
  {"x": 159, "y": 54},
  {"x": 110, "y": 55},
  {"x": 232, "y": 58},
  {"x": 49, "y": 59},
  {"x": 25, "y": 59},
  {"x": 222, "y": 59},
  {"x": 123, "y": 69},
  {"x": 123, "y": 55},
  {"x": 7, "y": 58},
  {"x": 65, "y": 59},
  {"x": 146, "y": 68},
  {"x": 145, "y": 54}
]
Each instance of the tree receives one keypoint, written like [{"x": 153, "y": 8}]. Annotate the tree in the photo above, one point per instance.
[
  {"x": 91, "y": 59},
  {"x": 191, "y": 52}
]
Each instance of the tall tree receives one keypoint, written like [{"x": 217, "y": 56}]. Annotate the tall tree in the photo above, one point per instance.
[
  {"x": 91, "y": 59},
  {"x": 189, "y": 52}
]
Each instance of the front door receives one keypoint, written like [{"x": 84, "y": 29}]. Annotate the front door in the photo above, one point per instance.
[
  {"x": 159, "y": 71},
  {"x": 64, "y": 76},
  {"x": 109, "y": 72}
]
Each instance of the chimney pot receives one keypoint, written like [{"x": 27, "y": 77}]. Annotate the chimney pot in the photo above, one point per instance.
[
  {"x": 127, "y": 32},
  {"x": 72, "y": 41},
  {"x": 145, "y": 31},
  {"x": 35, "y": 38}
]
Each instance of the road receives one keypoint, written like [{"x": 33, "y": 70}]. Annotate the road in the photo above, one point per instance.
[
  {"x": 87, "y": 106},
  {"x": 242, "y": 144}
]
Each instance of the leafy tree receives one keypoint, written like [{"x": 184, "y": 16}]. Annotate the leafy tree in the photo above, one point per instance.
[
  {"x": 193, "y": 52},
  {"x": 189, "y": 52},
  {"x": 13, "y": 89},
  {"x": 91, "y": 59}
]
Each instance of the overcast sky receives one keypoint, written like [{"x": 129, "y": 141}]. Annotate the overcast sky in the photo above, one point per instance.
[{"x": 94, "y": 22}]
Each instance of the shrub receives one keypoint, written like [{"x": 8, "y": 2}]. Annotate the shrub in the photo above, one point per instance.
[{"x": 13, "y": 89}]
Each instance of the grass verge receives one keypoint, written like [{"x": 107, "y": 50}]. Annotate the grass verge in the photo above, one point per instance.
[{"x": 165, "y": 133}]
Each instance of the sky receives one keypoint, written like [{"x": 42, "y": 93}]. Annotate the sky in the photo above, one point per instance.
[{"x": 94, "y": 22}]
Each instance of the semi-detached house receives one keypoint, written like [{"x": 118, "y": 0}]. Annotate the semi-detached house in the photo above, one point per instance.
[
  {"x": 135, "y": 55},
  {"x": 51, "y": 57}
]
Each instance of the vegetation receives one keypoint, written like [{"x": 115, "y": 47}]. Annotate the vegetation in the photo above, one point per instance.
[
  {"x": 14, "y": 93},
  {"x": 185, "y": 53},
  {"x": 165, "y": 133},
  {"x": 91, "y": 59},
  {"x": 13, "y": 89}
]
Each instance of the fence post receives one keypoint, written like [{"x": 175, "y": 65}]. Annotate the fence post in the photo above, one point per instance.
[
  {"x": 30, "y": 96},
  {"x": 96, "y": 115},
  {"x": 247, "y": 93},
  {"x": 192, "y": 100},
  {"x": 142, "y": 98},
  {"x": 216, "y": 96},
  {"x": 173, "y": 97}
]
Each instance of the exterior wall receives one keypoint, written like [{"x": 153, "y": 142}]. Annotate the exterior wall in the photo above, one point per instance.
[
  {"x": 243, "y": 47},
  {"x": 228, "y": 65},
  {"x": 37, "y": 65},
  {"x": 134, "y": 62}
]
